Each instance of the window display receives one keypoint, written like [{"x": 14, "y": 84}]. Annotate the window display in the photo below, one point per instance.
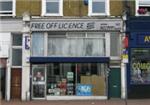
[
  {"x": 62, "y": 83},
  {"x": 74, "y": 76},
  {"x": 140, "y": 66},
  {"x": 69, "y": 79}
]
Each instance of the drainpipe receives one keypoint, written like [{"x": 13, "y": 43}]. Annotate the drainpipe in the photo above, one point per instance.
[{"x": 127, "y": 8}]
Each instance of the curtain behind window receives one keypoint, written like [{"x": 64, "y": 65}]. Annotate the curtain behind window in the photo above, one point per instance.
[
  {"x": 76, "y": 46},
  {"x": 37, "y": 44}
]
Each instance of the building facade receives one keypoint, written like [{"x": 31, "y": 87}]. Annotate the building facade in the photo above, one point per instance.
[
  {"x": 138, "y": 51},
  {"x": 139, "y": 56},
  {"x": 63, "y": 49}
]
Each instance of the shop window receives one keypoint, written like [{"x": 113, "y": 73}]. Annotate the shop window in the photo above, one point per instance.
[
  {"x": 52, "y": 7},
  {"x": 69, "y": 45},
  {"x": 115, "y": 44},
  {"x": 16, "y": 57},
  {"x": 75, "y": 78},
  {"x": 140, "y": 66},
  {"x": 7, "y": 7},
  {"x": 37, "y": 44},
  {"x": 143, "y": 7},
  {"x": 98, "y": 7}
]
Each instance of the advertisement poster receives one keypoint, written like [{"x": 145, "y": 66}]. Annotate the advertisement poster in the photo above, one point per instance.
[
  {"x": 84, "y": 90},
  {"x": 140, "y": 66}
]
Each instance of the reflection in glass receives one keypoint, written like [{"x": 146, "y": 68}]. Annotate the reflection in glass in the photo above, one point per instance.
[
  {"x": 98, "y": 7},
  {"x": 52, "y": 7},
  {"x": 6, "y": 6}
]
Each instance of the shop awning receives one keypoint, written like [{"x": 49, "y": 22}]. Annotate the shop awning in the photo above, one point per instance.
[{"x": 69, "y": 59}]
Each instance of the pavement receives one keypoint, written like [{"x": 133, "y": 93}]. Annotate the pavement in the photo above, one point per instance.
[{"x": 77, "y": 102}]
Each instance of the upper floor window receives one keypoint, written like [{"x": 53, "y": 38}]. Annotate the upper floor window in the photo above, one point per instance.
[
  {"x": 142, "y": 7},
  {"x": 98, "y": 7},
  {"x": 7, "y": 7},
  {"x": 52, "y": 7}
]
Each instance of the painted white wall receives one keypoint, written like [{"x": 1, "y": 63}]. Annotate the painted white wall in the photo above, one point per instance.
[
  {"x": 5, "y": 39},
  {"x": 107, "y": 42},
  {"x": 10, "y": 25},
  {"x": 25, "y": 70}
]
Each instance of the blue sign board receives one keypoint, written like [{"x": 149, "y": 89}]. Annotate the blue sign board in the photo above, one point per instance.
[
  {"x": 84, "y": 90},
  {"x": 144, "y": 39},
  {"x": 27, "y": 42}
]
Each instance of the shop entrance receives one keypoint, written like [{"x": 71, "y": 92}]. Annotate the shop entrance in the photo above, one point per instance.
[
  {"x": 2, "y": 77},
  {"x": 16, "y": 83},
  {"x": 115, "y": 83},
  {"x": 2, "y": 82},
  {"x": 69, "y": 79}
]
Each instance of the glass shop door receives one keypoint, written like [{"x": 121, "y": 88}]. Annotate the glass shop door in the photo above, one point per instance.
[{"x": 38, "y": 81}]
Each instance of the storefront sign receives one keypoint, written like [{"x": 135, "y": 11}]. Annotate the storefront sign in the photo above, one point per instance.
[
  {"x": 144, "y": 39},
  {"x": 84, "y": 90},
  {"x": 72, "y": 25}
]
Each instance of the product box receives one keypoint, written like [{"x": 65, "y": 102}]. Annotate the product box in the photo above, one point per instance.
[
  {"x": 98, "y": 83},
  {"x": 70, "y": 76},
  {"x": 62, "y": 92},
  {"x": 57, "y": 92},
  {"x": 86, "y": 80}
]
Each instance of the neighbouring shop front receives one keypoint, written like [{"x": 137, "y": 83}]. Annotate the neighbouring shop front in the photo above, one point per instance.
[
  {"x": 139, "y": 58},
  {"x": 70, "y": 58},
  {"x": 2, "y": 77}
]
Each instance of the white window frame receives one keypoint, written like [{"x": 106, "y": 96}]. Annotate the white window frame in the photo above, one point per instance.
[
  {"x": 13, "y": 9},
  {"x": 52, "y": 14},
  {"x": 107, "y": 11},
  {"x": 11, "y": 51},
  {"x": 137, "y": 5}
]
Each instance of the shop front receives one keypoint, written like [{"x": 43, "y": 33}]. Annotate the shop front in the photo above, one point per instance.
[
  {"x": 70, "y": 80},
  {"x": 2, "y": 77},
  {"x": 70, "y": 58},
  {"x": 138, "y": 69}
]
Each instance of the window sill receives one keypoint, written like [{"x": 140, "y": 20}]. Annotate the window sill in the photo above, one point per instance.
[
  {"x": 52, "y": 15},
  {"x": 102, "y": 14},
  {"x": 147, "y": 14},
  {"x": 7, "y": 15}
]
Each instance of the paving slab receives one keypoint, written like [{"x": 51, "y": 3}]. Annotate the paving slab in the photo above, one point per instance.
[{"x": 79, "y": 102}]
